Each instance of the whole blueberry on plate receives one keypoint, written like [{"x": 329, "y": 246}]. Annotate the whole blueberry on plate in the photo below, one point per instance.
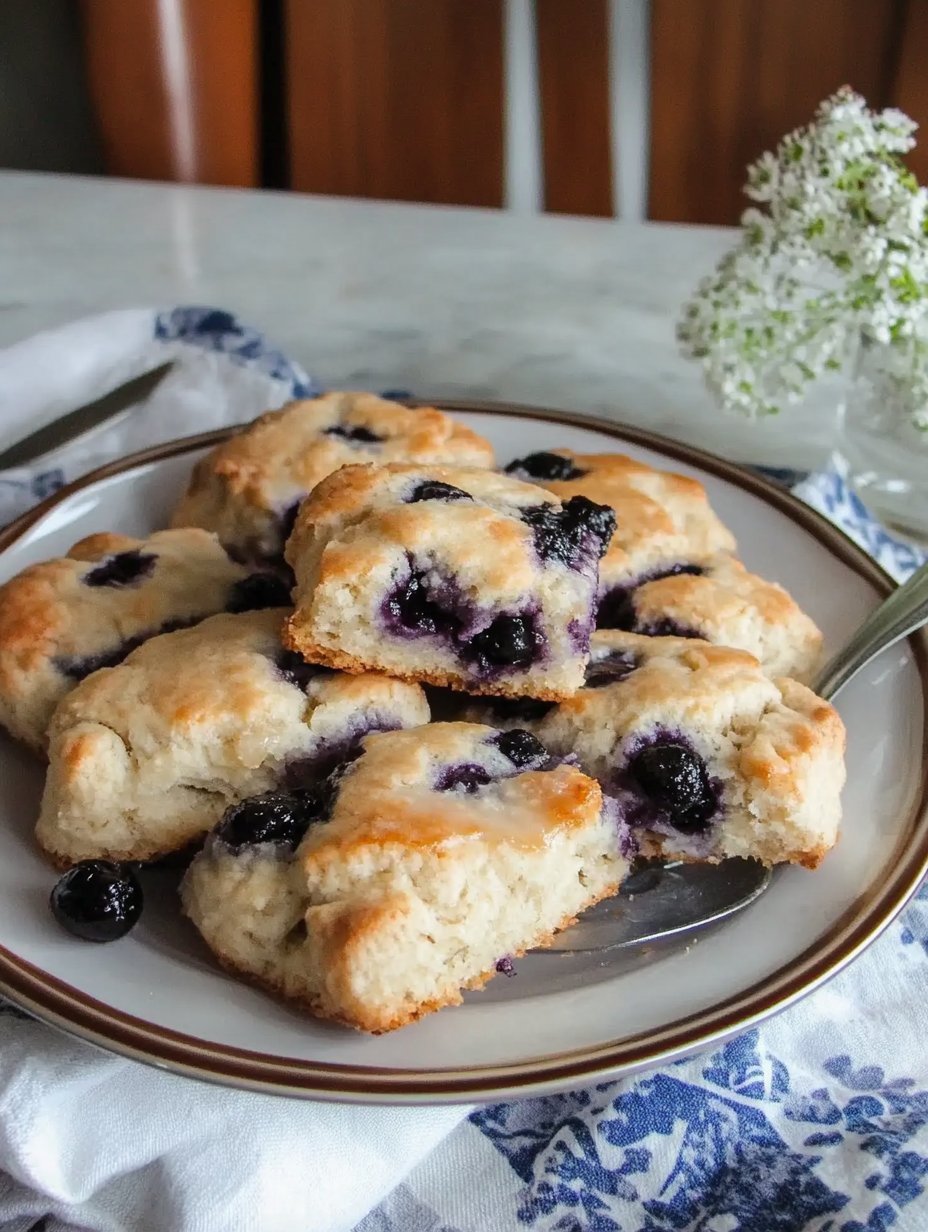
[{"x": 97, "y": 900}]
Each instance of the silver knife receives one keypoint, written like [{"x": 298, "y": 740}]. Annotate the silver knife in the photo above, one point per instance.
[{"x": 75, "y": 423}]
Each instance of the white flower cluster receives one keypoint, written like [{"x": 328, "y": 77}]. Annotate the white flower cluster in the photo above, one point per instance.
[{"x": 835, "y": 255}]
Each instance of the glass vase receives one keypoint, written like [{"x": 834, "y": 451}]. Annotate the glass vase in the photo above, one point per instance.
[{"x": 885, "y": 453}]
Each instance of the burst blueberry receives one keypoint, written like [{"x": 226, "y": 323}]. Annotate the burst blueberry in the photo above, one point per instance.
[
  {"x": 677, "y": 781},
  {"x": 522, "y": 748},
  {"x": 97, "y": 900},
  {"x": 433, "y": 489},
  {"x": 614, "y": 667},
  {"x": 410, "y": 606},
  {"x": 354, "y": 433},
  {"x": 571, "y": 532},
  {"x": 467, "y": 777},
  {"x": 510, "y": 641},
  {"x": 550, "y": 466},
  {"x": 275, "y": 817},
  {"x": 124, "y": 569}
]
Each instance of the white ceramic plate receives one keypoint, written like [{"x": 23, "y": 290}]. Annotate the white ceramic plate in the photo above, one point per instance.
[{"x": 565, "y": 1019}]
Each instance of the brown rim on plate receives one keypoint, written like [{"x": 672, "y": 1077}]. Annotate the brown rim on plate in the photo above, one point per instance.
[{"x": 69, "y": 1008}]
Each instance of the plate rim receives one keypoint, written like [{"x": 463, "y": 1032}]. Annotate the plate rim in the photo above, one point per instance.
[{"x": 64, "y": 1006}]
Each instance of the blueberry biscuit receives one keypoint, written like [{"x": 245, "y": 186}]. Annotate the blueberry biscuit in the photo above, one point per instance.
[
  {"x": 721, "y": 602},
  {"x": 706, "y": 756},
  {"x": 453, "y": 576},
  {"x": 249, "y": 488},
  {"x": 145, "y": 757},
  {"x": 408, "y": 875},
  {"x": 64, "y": 619},
  {"x": 669, "y": 568}
]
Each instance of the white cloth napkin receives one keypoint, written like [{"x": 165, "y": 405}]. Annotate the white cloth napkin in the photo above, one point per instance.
[{"x": 87, "y": 1139}]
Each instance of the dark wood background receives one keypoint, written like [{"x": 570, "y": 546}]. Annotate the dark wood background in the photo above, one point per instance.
[{"x": 403, "y": 99}]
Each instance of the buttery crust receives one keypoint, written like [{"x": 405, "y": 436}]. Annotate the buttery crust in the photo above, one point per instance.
[
  {"x": 409, "y": 894},
  {"x": 51, "y": 621},
  {"x": 244, "y": 487}
]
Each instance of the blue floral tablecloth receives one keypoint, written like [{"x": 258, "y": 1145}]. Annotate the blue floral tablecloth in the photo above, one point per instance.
[{"x": 817, "y": 1121}]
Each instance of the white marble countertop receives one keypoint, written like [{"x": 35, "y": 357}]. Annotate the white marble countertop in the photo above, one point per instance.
[{"x": 556, "y": 311}]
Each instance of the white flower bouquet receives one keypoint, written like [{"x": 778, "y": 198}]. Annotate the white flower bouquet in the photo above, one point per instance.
[{"x": 833, "y": 257}]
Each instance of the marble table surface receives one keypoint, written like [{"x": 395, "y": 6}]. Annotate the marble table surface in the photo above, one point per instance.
[{"x": 556, "y": 311}]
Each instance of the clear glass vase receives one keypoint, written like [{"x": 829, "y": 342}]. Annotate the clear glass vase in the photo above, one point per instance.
[{"x": 885, "y": 453}]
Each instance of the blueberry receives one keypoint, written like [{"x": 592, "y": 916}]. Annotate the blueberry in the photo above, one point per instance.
[
  {"x": 666, "y": 627},
  {"x": 124, "y": 569},
  {"x": 432, "y": 489},
  {"x": 352, "y": 433},
  {"x": 410, "y": 606},
  {"x": 562, "y": 533},
  {"x": 510, "y": 641},
  {"x": 97, "y": 900},
  {"x": 272, "y": 818},
  {"x": 258, "y": 591},
  {"x": 505, "y": 967},
  {"x": 615, "y": 666},
  {"x": 675, "y": 778},
  {"x": 466, "y": 777},
  {"x": 526, "y": 708},
  {"x": 521, "y": 747},
  {"x": 545, "y": 466},
  {"x": 596, "y": 520}
]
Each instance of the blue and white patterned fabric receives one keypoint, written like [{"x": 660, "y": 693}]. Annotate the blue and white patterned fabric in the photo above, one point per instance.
[{"x": 816, "y": 1121}]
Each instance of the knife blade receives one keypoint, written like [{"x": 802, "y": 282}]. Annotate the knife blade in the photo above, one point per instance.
[{"x": 75, "y": 423}]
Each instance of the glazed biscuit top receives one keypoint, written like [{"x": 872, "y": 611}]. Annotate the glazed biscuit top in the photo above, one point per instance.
[
  {"x": 227, "y": 685},
  {"x": 285, "y": 453},
  {"x": 661, "y": 516},
  {"x": 451, "y": 783},
  {"x": 110, "y": 589},
  {"x": 488, "y": 529}
]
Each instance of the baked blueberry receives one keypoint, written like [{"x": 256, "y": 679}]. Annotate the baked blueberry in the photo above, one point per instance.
[
  {"x": 97, "y": 900},
  {"x": 545, "y": 466},
  {"x": 521, "y": 747},
  {"x": 433, "y": 489},
  {"x": 676, "y": 780},
  {"x": 467, "y": 777},
  {"x": 505, "y": 967},
  {"x": 510, "y": 641},
  {"x": 258, "y": 591},
  {"x": 615, "y": 666},
  {"x": 272, "y": 818},
  {"x": 411, "y": 607},
  {"x": 123, "y": 569},
  {"x": 354, "y": 434},
  {"x": 563, "y": 533}
]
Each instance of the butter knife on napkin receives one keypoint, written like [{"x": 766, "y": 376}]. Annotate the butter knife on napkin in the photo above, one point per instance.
[{"x": 76, "y": 423}]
